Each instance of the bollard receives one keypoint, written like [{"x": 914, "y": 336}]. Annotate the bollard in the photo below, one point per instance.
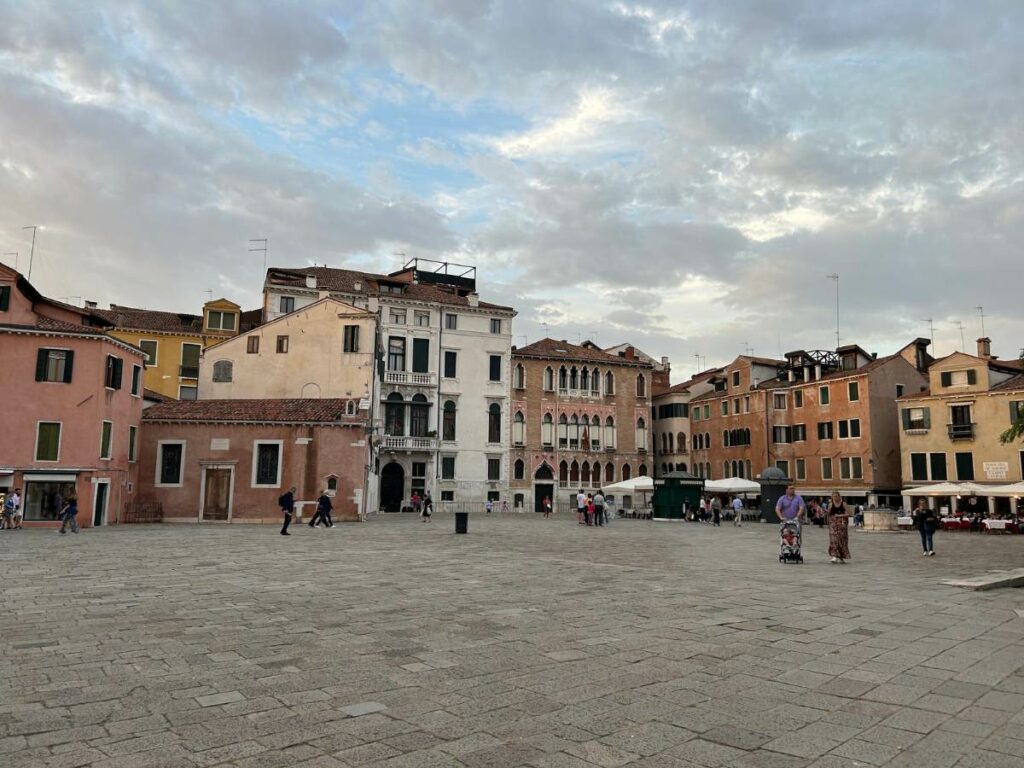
[{"x": 461, "y": 522}]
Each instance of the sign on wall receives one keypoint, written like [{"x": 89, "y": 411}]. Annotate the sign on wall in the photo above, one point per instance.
[{"x": 996, "y": 470}]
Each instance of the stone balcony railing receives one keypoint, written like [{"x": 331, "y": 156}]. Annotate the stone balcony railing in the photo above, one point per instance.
[
  {"x": 409, "y": 378},
  {"x": 408, "y": 443}
]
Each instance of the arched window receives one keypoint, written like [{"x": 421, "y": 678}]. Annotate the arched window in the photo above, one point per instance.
[
  {"x": 448, "y": 421},
  {"x": 563, "y": 431},
  {"x": 725, "y": 438},
  {"x": 641, "y": 435},
  {"x": 595, "y": 434},
  {"x": 725, "y": 469},
  {"x": 681, "y": 442},
  {"x": 749, "y": 475},
  {"x": 546, "y": 430},
  {"x": 574, "y": 473},
  {"x": 664, "y": 443},
  {"x": 394, "y": 415},
  {"x": 494, "y": 423},
  {"x": 609, "y": 472},
  {"x": 641, "y": 386},
  {"x": 737, "y": 468},
  {"x": 585, "y": 379},
  {"x": 700, "y": 470},
  {"x": 563, "y": 472},
  {"x": 332, "y": 484},
  {"x": 681, "y": 467},
  {"x": 419, "y": 416},
  {"x": 642, "y": 470},
  {"x": 707, "y": 441},
  {"x": 350, "y": 408},
  {"x": 595, "y": 382},
  {"x": 222, "y": 370},
  {"x": 626, "y": 472},
  {"x": 549, "y": 379},
  {"x": 519, "y": 428},
  {"x": 609, "y": 432},
  {"x": 563, "y": 378},
  {"x": 707, "y": 470},
  {"x": 519, "y": 376},
  {"x": 698, "y": 442},
  {"x": 671, "y": 443},
  {"x": 574, "y": 431},
  {"x": 609, "y": 383},
  {"x": 519, "y": 470},
  {"x": 585, "y": 473}
]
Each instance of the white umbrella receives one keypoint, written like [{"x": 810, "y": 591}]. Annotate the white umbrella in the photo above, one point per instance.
[
  {"x": 1013, "y": 489},
  {"x": 732, "y": 485},
  {"x": 947, "y": 489},
  {"x": 641, "y": 483}
]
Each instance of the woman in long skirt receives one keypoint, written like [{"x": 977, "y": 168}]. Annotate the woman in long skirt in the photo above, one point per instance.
[{"x": 838, "y": 530}]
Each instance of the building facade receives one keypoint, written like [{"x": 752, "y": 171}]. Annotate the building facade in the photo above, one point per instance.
[
  {"x": 72, "y": 407},
  {"x": 580, "y": 419},
  {"x": 827, "y": 419},
  {"x": 440, "y": 397},
  {"x": 670, "y": 415},
  {"x": 231, "y": 460},
  {"x": 950, "y": 431}
]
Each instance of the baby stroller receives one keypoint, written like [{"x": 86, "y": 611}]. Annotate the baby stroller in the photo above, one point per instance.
[{"x": 789, "y": 542}]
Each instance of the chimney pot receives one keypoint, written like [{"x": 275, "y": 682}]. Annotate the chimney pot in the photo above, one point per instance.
[
  {"x": 473, "y": 300},
  {"x": 311, "y": 281},
  {"x": 985, "y": 347},
  {"x": 91, "y": 305}
]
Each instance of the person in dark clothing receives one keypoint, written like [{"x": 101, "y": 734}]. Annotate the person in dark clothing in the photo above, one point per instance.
[
  {"x": 428, "y": 507},
  {"x": 926, "y": 521},
  {"x": 716, "y": 512},
  {"x": 323, "y": 511},
  {"x": 287, "y": 504},
  {"x": 69, "y": 515}
]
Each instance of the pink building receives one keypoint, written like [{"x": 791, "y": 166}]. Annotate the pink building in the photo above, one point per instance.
[
  {"x": 71, "y": 407},
  {"x": 230, "y": 460}
]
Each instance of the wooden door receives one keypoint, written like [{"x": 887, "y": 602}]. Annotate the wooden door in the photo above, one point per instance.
[{"x": 218, "y": 490}]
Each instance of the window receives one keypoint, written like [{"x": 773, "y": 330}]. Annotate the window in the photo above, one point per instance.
[
  {"x": 725, "y": 407},
  {"x": 170, "y": 456},
  {"x": 332, "y": 484},
  {"x": 849, "y": 428},
  {"x": 495, "y": 325},
  {"x": 105, "y": 434},
  {"x": 150, "y": 348},
  {"x": 112, "y": 375},
  {"x": 519, "y": 470},
  {"x": 495, "y": 370},
  {"x": 547, "y": 428},
  {"x": 451, "y": 322},
  {"x": 448, "y": 495},
  {"x": 823, "y": 395},
  {"x": 394, "y": 415},
  {"x": 190, "y": 361},
  {"x": 937, "y": 464},
  {"x": 946, "y": 378},
  {"x": 641, "y": 386},
  {"x": 857, "y": 468},
  {"x": 1016, "y": 411},
  {"x": 287, "y": 304},
  {"x": 448, "y": 421},
  {"x": 736, "y": 406},
  {"x": 549, "y": 380},
  {"x": 844, "y": 468},
  {"x": 824, "y": 430},
  {"x": 222, "y": 371},
  {"x": 350, "y": 341},
  {"x": 493, "y": 470},
  {"x": 136, "y": 380},
  {"x": 494, "y": 423},
  {"x": 641, "y": 435},
  {"x": 252, "y": 345},
  {"x": 55, "y": 365},
  {"x": 799, "y": 433},
  {"x": 519, "y": 377},
  {"x": 707, "y": 411},
  {"x": 450, "y": 364},
  {"x": 133, "y": 443},
  {"x": 282, "y": 345},
  {"x": 735, "y": 378},
  {"x": 784, "y": 466},
  {"x": 826, "y": 468},
  {"x": 919, "y": 466},
  {"x": 801, "y": 469},
  {"x": 519, "y": 428},
  {"x": 48, "y": 441},
  {"x": 746, "y": 403},
  {"x": 447, "y": 467},
  {"x": 5, "y": 298},
  {"x": 396, "y": 353},
  {"x": 396, "y": 316},
  {"x": 220, "y": 321},
  {"x": 782, "y": 434},
  {"x": 609, "y": 383},
  {"x": 899, "y": 390},
  {"x": 419, "y": 416},
  {"x": 420, "y": 355},
  {"x": 916, "y": 418},
  {"x": 266, "y": 463},
  {"x": 798, "y": 399},
  {"x": 853, "y": 391},
  {"x": 964, "y": 466},
  {"x": 422, "y": 319},
  {"x": 779, "y": 401},
  {"x": 188, "y": 392},
  {"x": 609, "y": 433}
]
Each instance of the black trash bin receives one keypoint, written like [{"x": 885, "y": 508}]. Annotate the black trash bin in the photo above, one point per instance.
[{"x": 461, "y": 522}]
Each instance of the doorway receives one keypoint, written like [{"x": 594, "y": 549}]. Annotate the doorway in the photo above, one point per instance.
[
  {"x": 543, "y": 487},
  {"x": 99, "y": 507},
  {"x": 216, "y": 494},
  {"x": 392, "y": 487}
]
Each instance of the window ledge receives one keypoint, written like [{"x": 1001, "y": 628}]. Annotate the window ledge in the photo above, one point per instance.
[{"x": 916, "y": 431}]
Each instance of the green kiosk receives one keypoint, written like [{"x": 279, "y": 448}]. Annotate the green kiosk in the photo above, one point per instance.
[{"x": 677, "y": 492}]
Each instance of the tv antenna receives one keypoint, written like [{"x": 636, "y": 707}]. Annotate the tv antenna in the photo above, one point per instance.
[
  {"x": 835, "y": 277},
  {"x": 32, "y": 252},
  {"x": 261, "y": 247},
  {"x": 960, "y": 325},
  {"x": 981, "y": 314}
]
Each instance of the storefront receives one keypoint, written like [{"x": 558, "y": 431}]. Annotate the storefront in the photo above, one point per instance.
[{"x": 44, "y": 494}]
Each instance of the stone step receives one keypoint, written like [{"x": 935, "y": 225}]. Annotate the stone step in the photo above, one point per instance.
[{"x": 991, "y": 580}]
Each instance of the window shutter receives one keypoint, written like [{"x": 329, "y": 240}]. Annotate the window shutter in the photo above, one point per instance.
[
  {"x": 1015, "y": 411},
  {"x": 947, "y": 378},
  {"x": 420, "y": 355},
  {"x": 5, "y": 298},
  {"x": 118, "y": 368},
  {"x": 905, "y": 415},
  {"x": 927, "y": 418},
  {"x": 69, "y": 363},
  {"x": 41, "y": 364},
  {"x": 972, "y": 376}
]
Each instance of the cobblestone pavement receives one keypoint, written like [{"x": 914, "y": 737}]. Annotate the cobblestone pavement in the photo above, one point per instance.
[{"x": 528, "y": 642}]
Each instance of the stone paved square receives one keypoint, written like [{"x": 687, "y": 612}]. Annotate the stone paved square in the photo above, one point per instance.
[{"x": 528, "y": 642}]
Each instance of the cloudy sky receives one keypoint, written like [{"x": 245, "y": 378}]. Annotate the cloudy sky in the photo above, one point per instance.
[{"x": 682, "y": 175}]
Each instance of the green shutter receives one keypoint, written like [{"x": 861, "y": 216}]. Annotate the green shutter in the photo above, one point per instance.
[
  {"x": 69, "y": 363},
  {"x": 1015, "y": 411},
  {"x": 420, "y": 355},
  {"x": 5, "y": 298},
  {"x": 41, "y": 355},
  {"x": 905, "y": 416},
  {"x": 927, "y": 418},
  {"x": 118, "y": 370},
  {"x": 946, "y": 378},
  {"x": 972, "y": 376}
]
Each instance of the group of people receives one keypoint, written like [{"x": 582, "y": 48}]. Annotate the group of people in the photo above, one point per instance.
[
  {"x": 791, "y": 507},
  {"x": 13, "y": 516},
  {"x": 711, "y": 511},
  {"x": 322, "y": 516},
  {"x": 10, "y": 503},
  {"x": 423, "y": 506},
  {"x": 818, "y": 511},
  {"x": 590, "y": 509}
]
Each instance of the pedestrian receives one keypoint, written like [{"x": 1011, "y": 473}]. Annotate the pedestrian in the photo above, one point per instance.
[
  {"x": 790, "y": 506},
  {"x": 18, "y": 512},
  {"x": 581, "y": 507},
  {"x": 417, "y": 502},
  {"x": 287, "y": 504},
  {"x": 737, "y": 511},
  {"x": 504, "y": 505},
  {"x": 703, "y": 509},
  {"x": 838, "y": 530},
  {"x": 858, "y": 516},
  {"x": 591, "y": 512},
  {"x": 926, "y": 521},
  {"x": 7, "y": 520},
  {"x": 323, "y": 511},
  {"x": 547, "y": 507},
  {"x": 428, "y": 507},
  {"x": 599, "y": 508},
  {"x": 489, "y": 505},
  {"x": 716, "y": 512},
  {"x": 69, "y": 515}
]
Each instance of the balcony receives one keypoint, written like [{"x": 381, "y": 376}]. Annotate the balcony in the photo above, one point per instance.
[
  {"x": 188, "y": 372},
  {"x": 408, "y": 378},
  {"x": 961, "y": 431},
  {"x": 563, "y": 392},
  {"x": 408, "y": 443}
]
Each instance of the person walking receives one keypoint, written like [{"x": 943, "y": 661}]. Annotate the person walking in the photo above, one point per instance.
[
  {"x": 838, "y": 529},
  {"x": 703, "y": 509},
  {"x": 489, "y": 505},
  {"x": 737, "y": 511},
  {"x": 926, "y": 521},
  {"x": 7, "y": 521},
  {"x": 504, "y": 505},
  {"x": 417, "y": 502},
  {"x": 716, "y": 512},
  {"x": 547, "y": 507},
  {"x": 323, "y": 511},
  {"x": 599, "y": 509},
  {"x": 591, "y": 517},
  {"x": 69, "y": 515},
  {"x": 791, "y": 506},
  {"x": 581, "y": 507},
  {"x": 428, "y": 508},
  {"x": 287, "y": 504}
]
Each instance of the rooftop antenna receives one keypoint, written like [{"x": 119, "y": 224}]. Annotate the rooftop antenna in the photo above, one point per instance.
[
  {"x": 835, "y": 277},
  {"x": 210, "y": 292},
  {"x": 960, "y": 324},
  {"x": 593, "y": 335},
  {"x": 260, "y": 248},
  {"x": 545, "y": 327},
  {"x": 15, "y": 255},
  {"x": 32, "y": 252},
  {"x": 931, "y": 333},
  {"x": 981, "y": 314},
  {"x": 747, "y": 349}
]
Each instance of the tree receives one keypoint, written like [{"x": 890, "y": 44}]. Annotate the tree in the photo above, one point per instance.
[{"x": 1016, "y": 430}]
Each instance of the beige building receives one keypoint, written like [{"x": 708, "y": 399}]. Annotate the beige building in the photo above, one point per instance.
[
  {"x": 323, "y": 350},
  {"x": 950, "y": 431},
  {"x": 670, "y": 414}
]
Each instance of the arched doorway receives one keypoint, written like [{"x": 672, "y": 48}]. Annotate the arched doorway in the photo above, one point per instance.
[
  {"x": 543, "y": 487},
  {"x": 392, "y": 487}
]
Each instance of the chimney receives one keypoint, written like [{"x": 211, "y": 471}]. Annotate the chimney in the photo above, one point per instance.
[
  {"x": 630, "y": 353},
  {"x": 357, "y": 286},
  {"x": 324, "y": 295},
  {"x": 473, "y": 299},
  {"x": 91, "y": 305},
  {"x": 985, "y": 347},
  {"x": 311, "y": 281},
  {"x": 790, "y": 375}
]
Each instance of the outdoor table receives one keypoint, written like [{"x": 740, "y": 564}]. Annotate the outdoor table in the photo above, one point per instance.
[
  {"x": 954, "y": 523},
  {"x": 995, "y": 525}
]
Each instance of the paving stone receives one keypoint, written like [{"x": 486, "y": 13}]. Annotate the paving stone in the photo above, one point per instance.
[
  {"x": 214, "y": 699},
  {"x": 364, "y": 708}
]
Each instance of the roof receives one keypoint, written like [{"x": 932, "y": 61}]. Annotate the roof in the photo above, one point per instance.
[
  {"x": 151, "y": 319},
  {"x": 1010, "y": 385},
  {"x": 280, "y": 411},
  {"x": 563, "y": 350},
  {"x": 1008, "y": 366},
  {"x": 684, "y": 386},
  {"x": 153, "y": 395},
  {"x": 54, "y": 326},
  {"x": 344, "y": 281}
]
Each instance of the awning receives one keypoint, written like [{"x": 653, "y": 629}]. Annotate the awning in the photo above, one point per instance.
[
  {"x": 947, "y": 489},
  {"x": 642, "y": 483},
  {"x": 732, "y": 485},
  {"x": 55, "y": 477}
]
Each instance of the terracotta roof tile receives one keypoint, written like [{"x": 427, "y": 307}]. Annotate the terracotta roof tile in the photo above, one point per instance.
[
  {"x": 151, "y": 319},
  {"x": 281, "y": 411},
  {"x": 58, "y": 326},
  {"x": 1010, "y": 385},
  {"x": 150, "y": 394},
  {"x": 563, "y": 350}
]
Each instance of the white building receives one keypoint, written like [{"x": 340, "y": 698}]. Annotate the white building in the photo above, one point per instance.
[{"x": 439, "y": 415}]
